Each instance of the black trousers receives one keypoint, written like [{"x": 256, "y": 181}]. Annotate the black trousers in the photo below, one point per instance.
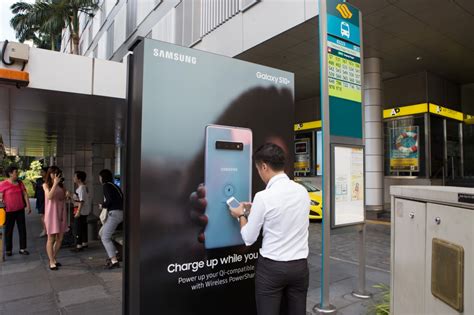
[
  {"x": 80, "y": 228},
  {"x": 281, "y": 287},
  {"x": 11, "y": 218}
]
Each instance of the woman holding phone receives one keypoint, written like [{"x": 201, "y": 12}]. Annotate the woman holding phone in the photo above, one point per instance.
[{"x": 55, "y": 216}]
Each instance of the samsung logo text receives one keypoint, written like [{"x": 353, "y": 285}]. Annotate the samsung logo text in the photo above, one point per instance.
[
  {"x": 229, "y": 169},
  {"x": 166, "y": 54}
]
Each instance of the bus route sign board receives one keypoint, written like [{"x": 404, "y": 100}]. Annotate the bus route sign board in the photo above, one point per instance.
[{"x": 344, "y": 69}]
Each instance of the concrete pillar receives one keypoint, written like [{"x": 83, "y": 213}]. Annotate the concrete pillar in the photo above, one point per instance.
[{"x": 374, "y": 171}]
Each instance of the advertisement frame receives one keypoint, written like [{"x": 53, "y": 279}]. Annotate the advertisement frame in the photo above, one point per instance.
[
  {"x": 333, "y": 183},
  {"x": 391, "y": 150}
]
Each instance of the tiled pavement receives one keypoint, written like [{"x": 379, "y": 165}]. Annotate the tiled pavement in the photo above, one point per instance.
[
  {"x": 81, "y": 286},
  {"x": 344, "y": 268}
]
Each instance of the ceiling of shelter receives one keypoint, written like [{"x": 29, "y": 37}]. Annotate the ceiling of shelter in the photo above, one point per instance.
[
  {"x": 42, "y": 123},
  {"x": 408, "y": 35}
]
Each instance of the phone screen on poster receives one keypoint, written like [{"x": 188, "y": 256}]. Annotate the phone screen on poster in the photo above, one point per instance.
[{"x": 348, "y": 181}]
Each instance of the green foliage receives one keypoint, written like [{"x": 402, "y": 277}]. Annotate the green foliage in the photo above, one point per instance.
[
  {"x": 33, "y": 173},
  {"x": 382, "y": 306},
  {"x": 44, "y": 21}
]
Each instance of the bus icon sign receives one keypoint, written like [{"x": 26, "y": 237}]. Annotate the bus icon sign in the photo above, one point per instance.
[{"x": 345, "y": 30}]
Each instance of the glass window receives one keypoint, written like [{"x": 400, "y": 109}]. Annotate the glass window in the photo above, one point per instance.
[
  {"x": 405, "y": 147},
  {"x": 110, "y": 41},
  {"x": 468, "y": 147},
  {"x": 437, "y": 146},
  {"x": 453, "y": 147}
]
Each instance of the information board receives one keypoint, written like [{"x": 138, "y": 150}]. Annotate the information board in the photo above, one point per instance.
[
  {"x": 348, "y": 185},
  {"x": 344, "y": 74}
]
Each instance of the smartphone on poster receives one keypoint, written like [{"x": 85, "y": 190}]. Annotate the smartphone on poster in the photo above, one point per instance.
[{"x": 228, "y": 173}]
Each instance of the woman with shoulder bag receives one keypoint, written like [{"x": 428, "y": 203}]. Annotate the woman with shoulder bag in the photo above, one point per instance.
[
  {"x": 113, "y": 207},
  {"x": 15, "y": 198}
]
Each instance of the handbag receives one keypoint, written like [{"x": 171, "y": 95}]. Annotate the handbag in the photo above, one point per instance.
[{"x": 103, "y": 215}]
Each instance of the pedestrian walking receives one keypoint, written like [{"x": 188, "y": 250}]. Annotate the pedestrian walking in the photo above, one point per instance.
[
  {"x": 113, "y": 205},
  {"x": 55, "y": 216},
  {"x": 13, "y": 194},
  {"x": 281, "y": 210}
]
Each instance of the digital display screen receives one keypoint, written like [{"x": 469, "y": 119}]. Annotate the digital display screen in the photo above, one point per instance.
[{"x": 301, "y": 147}]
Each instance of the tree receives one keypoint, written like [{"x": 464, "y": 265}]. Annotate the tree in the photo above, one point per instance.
[
  {"x": 50, "y": 17},
  {"x": 31, "y": 24}
]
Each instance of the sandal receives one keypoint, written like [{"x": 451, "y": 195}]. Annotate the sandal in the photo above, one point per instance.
[
  {"x": 53, "y": 267},
  {"x": 24, "y": 252}
]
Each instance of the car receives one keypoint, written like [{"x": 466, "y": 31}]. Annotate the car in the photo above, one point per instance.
[{"x": 316, "y": 207}]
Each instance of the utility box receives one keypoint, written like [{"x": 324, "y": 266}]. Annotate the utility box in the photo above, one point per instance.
[{"x": 432, "y": 250}]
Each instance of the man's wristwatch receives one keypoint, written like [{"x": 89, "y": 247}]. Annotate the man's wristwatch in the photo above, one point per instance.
[{"x": 245, "y": 214}]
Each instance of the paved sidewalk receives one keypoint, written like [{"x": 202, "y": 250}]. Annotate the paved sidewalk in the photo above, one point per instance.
[
  {"x": 81, "y": 286},
  {"x": 344, "y": 268}
]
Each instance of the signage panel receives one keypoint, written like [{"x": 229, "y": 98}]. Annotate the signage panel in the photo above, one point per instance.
[
  {"x": 405, "y": 110},
  {"x": 348, "y": 184},
  {"x": 446, "y": 112},
  {"x": 344, "y": 76}
]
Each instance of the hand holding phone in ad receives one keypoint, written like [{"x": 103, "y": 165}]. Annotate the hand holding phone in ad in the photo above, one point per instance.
[{"x": 198, "y": 204}]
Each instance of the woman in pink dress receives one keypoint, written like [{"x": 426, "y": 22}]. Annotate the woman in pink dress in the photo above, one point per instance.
[{"x": 55, "y": 216}]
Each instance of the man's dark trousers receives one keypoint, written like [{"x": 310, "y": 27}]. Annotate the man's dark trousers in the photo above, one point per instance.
[{"x": 281, "y": 287}]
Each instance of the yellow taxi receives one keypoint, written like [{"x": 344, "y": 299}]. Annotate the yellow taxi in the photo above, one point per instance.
[{"x": 316, "y": 208}]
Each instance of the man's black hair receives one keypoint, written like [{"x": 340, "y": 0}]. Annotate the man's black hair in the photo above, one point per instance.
[
  {"x": 10, "y": 169},
  {"x": 81, "y": 176},
  {"x": 107, "y": 176},
  {"x": 272, "y": 155}
]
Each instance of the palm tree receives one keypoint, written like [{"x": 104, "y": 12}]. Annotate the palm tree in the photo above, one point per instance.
[
  {"x": 50, "y": 17},
  {"x": 27, "y": 26}
]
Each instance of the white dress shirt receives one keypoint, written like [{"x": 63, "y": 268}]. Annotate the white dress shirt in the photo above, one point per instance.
[{"x": 282, "y": 209}]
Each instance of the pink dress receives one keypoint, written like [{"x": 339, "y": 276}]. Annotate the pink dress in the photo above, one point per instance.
[{"x": 55, "y": 217}]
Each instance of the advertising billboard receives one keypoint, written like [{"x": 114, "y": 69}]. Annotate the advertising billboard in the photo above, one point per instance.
[
  {"x": 404, "y": 149},
  {"x": 194, "y": 120}
]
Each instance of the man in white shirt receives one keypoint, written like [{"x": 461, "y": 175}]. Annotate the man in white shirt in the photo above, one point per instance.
[
  {"x": 82, "y": 211},
  {"x": 281, "y": 209}
]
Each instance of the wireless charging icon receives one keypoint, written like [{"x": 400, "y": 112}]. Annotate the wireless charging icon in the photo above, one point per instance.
[{"x": 229, "y": 190}]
